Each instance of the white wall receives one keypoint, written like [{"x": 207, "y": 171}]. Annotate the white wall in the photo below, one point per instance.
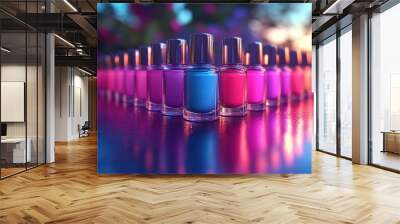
[{"x": 71, "y": 94}]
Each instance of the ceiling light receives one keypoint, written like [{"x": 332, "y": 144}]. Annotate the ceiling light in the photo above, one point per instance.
[
  {"x": 70, "y": 5},
  {"x": 84, "y": 71},
  {"x": 65, "y": 41},
  {"x": 5, "y": 50}
]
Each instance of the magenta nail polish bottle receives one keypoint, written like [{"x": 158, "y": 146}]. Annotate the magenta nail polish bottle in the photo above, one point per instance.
[
  {"x": 272, "y": 76},
  {"x": 141, "y": 76},
  {"x": 297, "y": 76},
  {"x": 232, "y": 79},
  {"x": 255, "y": 76},
  {"x": 155, "y": 77},
  {"x": 173, "y": 78},
  {"x": 130, "y": 62},
  {"x": 101, "y": 74},
  {"x": 119, "y": 73},
  {"x": 306, "y": 66},
  {"x": 108, "y": 76},
  {"x": 286, "y": 74}
]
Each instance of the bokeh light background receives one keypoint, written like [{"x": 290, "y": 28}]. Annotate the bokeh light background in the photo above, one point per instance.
[{"x": 124, "y": 25}]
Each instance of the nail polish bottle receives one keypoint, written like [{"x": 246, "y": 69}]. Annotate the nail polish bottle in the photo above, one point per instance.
[
  {"x": 117, "y": 77},
  {"x": 201, "y": 81},
  {"x": 120, "y": 77},
  {"x": 272, "y": 76},
  {"x": 101, "y": 74},
  {"x": 297, "y": 76},
  {"x": 286, "y": 74},
  {"x": 232, "y": 79},
  {"x": 306, "y": 66},
  {"x": 173, "y": 77},
  {"x": 256, "y": 87},
  {"x": 108, "y": 78},
  {"x": 130, "y": 62},
  {"x": 155, "y": 77},
  {"x": 141, "y": 76}
]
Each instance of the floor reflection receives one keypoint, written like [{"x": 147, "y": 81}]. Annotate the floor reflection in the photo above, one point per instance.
[{"x": 133, "y": 140}]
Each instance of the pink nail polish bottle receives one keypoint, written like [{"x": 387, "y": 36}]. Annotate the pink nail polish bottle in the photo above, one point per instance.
[
  {"x": 119, "y": 73},
  {"x": 108, "y": 77},
  {"x": 141, "y": 76},
  {"x": 286, "y": 74},
  {"x": 155, "y": 77},
  {"x": 297, "y": 76},
  {"x": 272, "y": 76},
  {"x": 232, "y": 79},
  {"x": 130, "y": 62},
  {"x": 255, "y": 76}
]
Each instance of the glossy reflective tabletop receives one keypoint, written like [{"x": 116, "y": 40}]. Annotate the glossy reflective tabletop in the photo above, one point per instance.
[{"x": 135, "y": 141}]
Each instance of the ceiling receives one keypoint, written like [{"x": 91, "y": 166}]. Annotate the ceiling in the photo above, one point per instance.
[{"x": 75, "y": 22}]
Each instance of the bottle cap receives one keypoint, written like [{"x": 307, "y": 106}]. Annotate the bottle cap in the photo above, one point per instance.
[
  {"x": 130, "y": 58},
  {"x": 282, "y": 57},
  {"x": 176, "y": 51},
  {"x": 232, "y": 51},
  {"x": 202, "y": 49},
  {"x": 293, "y": 61},
  {"x": 158, "y": 51},
  {"x": 254, "y": 52},
  {"x": 270, "y": 52},
  {"x": 116, "y": 60},
  {"x": 144, "y": 54}
]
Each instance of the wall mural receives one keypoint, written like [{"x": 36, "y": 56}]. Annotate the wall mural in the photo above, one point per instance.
[{"x": 204, "y": 88}]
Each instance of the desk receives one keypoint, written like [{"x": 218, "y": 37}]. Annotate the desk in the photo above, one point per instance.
[
  {"x": 391, "y": 141},
  {"x": 15, "y": 148}
]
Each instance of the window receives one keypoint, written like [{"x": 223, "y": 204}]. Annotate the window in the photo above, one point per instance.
[
  {"x": 326, "y": 104},
  {"x": 385, "y": 89}
]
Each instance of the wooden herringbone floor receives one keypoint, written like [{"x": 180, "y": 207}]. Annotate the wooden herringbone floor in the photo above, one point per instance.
[{"x": 70, "y": 191}]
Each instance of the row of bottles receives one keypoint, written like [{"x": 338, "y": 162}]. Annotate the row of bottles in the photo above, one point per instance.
[{"x": 159, "y": 78}]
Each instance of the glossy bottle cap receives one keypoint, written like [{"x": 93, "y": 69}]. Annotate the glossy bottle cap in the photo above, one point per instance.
[
  {"x": 254, "y": 53},
  {"x": 202, "y": 49},
  {"x": 130, "y": 58},
  {"x": 282, "y": 56},
  {"x": 158, "y": 51},
  {"x": 144, "y": 54},
  {"x": 232, "y": 51},
  {"x": 293, "y": 61},
  {"x": 108, "y": 61},
  {"x": 176, "y": 51},
  {"x": 271, "y": 53},
  {"x": 116, "y": 60}
]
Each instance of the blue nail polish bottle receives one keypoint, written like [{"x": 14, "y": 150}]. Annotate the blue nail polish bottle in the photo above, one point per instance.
[{"x": 201, "y": 81}]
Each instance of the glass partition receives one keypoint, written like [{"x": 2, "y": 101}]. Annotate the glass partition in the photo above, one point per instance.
[
  {"x": 22, "y": 88},
  {"x": 326, "y": 104}
]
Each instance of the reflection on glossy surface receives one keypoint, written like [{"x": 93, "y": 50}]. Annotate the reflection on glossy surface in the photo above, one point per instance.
[{"x": 134, "y": 140}]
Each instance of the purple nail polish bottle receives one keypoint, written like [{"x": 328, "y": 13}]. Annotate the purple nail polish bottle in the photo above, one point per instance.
[
  {"x": 272, "y": 76},
  {"x": 255, "y": 76},
  {"x": 154, "y": 77},
  {"x": 173, "y": 77},
  {"x": 286, "y": 73},
  {"x": 141, "y": 76}
]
